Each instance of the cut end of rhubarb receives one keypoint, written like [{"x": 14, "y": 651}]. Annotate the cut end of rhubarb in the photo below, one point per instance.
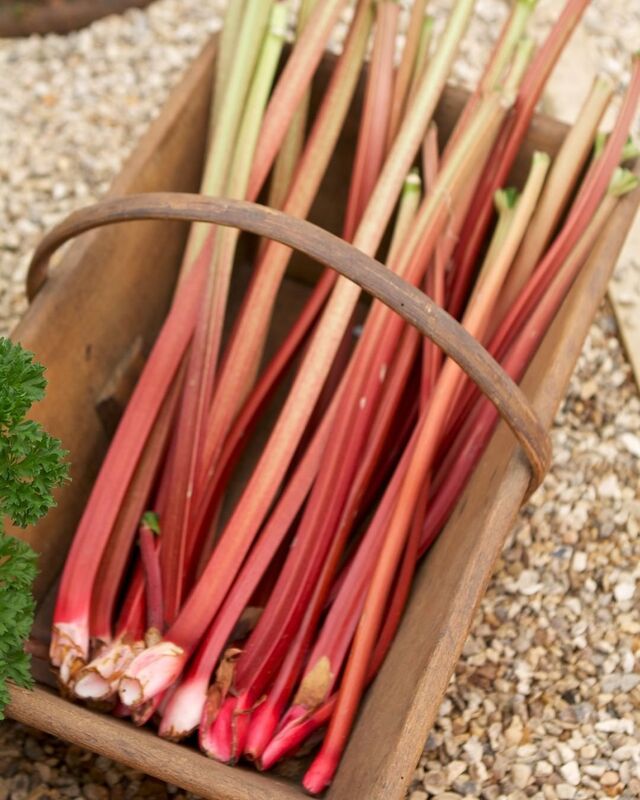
[
  {"x": 150, "y": 673},
  {"x": 99, "y": 679},
  {"x": 69, "y": 650},
  {"x": 320, "y": 774},
  {"x": 264, "y": 722},
  {"x": 184, "y": 711}
]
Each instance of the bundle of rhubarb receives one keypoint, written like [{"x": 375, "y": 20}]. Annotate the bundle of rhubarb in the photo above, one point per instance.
[{"x": 257, "y": 617}]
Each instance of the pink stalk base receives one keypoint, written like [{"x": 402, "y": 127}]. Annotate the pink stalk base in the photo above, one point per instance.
[
  {"x": 321, "y": 772},
  {"x": 150, "y": 673},
  {"x": 216, "y": 730},
  {"x": 227, "y": 735},
  {"x": 291, "y": 737},
  {"x": 264, "y": 722}
]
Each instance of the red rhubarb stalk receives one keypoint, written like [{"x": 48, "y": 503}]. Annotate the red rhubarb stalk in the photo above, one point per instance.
[
  {"x": 70, "y": 637},
  {"x": 149, "y": 530},
  {"x": 405, "y": 71},
  {"x": 371, "y": 146}
]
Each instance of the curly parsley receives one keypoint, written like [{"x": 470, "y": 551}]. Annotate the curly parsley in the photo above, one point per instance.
[{"x": 31, "y": 466}]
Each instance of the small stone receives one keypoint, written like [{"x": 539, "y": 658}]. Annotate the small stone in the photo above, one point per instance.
[
  {"x": 454, "y": 770},
  {"x": 473, "y": 749},
  {"x": 521, "y": 775},
  {"x": 615, "y": 726},
  {"x": 565, "y": 791},
  {"x": 434, "y": 781},
  {"x": 608, "y": 488},
  {"x": 624, "y": 589},
  {"x": 571, "y": 772},
  {"x": 93, "y": 791},
  {"x": 44, "y": 771},
  {"x": 588, "y": 752},
  {"x": 418, "y": 794},
  {"x": 579, "y": 561},
  {"x": 543, "y": 769},
  {"x": 610, "y": 778},
  {"x": 631, "y": 442},
  {"x": 529, "y": 582}
]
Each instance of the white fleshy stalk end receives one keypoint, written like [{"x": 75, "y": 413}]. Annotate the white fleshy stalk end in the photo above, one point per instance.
[
  {"x": 99, "y": 679},
  {"x": 151, "y": 672},
  {"x": 69, "y": 650},
  {"x": 184, "y": 711}
]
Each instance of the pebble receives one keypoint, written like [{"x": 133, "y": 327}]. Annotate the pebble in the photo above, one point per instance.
[
  {"x": 610, "y": 778},
  {"x": 624, "y": 589},
  {"x": 521, "y": 775},
  {"x": 571, "y": 772},
  {"x": 554, "y": 646}
]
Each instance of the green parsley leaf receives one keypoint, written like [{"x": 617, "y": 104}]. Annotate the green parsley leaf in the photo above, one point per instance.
[{"x": 31, "y": 466}]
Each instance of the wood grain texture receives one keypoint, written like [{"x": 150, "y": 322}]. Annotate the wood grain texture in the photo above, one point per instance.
[{"x": 404, "y": 700}]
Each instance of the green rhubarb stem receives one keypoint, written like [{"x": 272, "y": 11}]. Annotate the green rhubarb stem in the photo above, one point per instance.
[
  {"x": 247, "y": 47},
  {"x": 224, "y": 58},
  {"x": 513, "y": 34},
  {"x": 560, "y": 185},
  {"x": 287, "y": 159},
  {"x": 422, "y": 56},
  {"x": 521, "y": 62},
  {"x": 409, "y": 202},
  {"x": 291, "y": 88},
  {"x": 405, "y": 71}
]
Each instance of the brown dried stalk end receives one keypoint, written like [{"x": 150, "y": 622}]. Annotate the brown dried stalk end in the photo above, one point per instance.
[{"x": 316, "y": 685}]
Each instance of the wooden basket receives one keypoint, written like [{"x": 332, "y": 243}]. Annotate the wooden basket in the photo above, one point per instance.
[{"x": 94, "y": 319}]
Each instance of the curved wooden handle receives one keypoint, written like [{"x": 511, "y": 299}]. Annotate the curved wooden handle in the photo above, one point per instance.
[{"x": 372, "y": 276}]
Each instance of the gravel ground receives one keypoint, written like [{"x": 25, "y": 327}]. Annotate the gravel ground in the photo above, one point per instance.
[{"x": 545, "y": 702}]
